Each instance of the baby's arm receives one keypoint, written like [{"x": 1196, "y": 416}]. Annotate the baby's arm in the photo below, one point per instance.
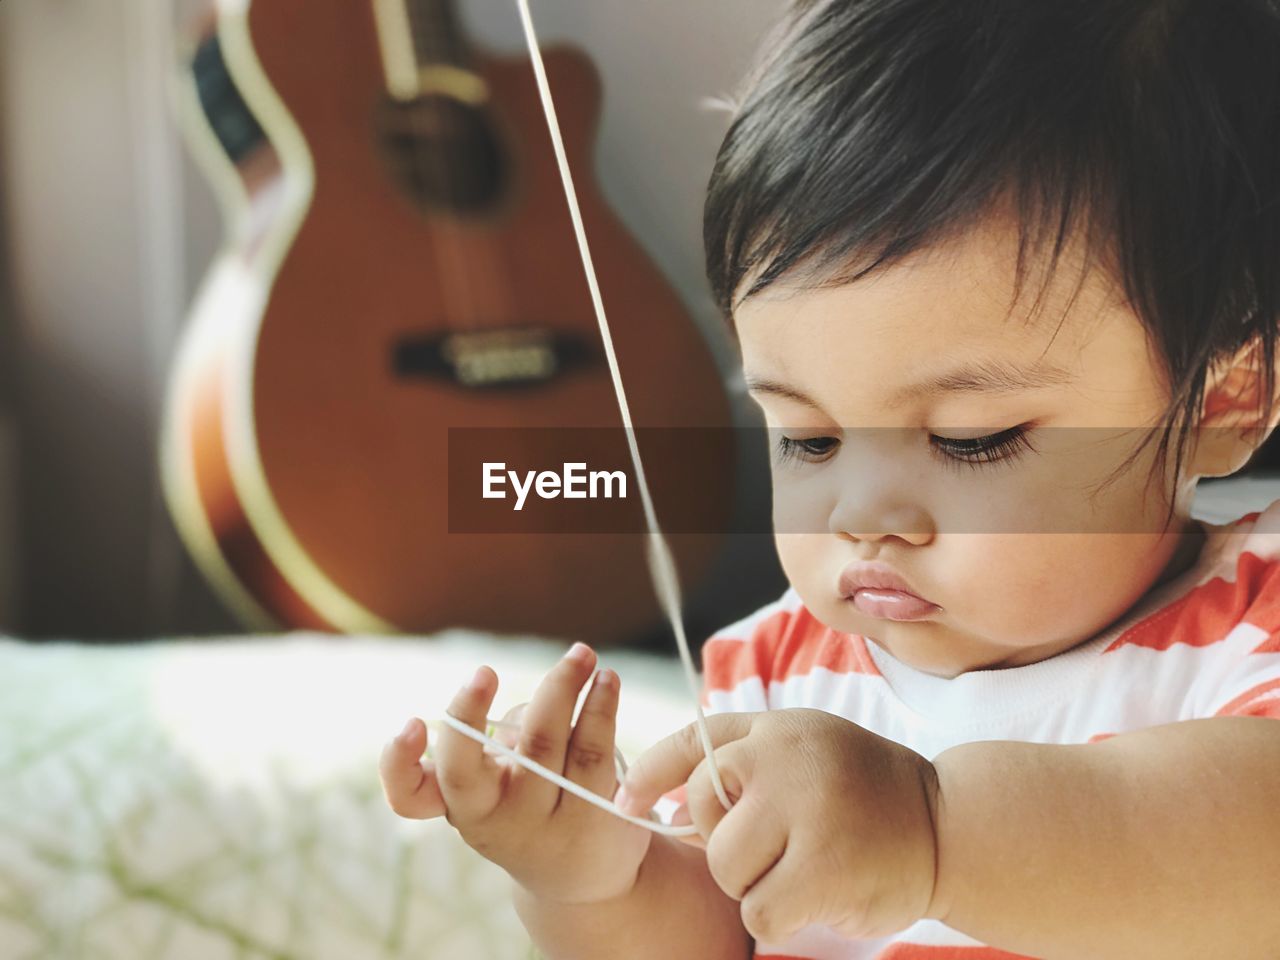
[
  {"x": 675, "y": 909},
  {"x": 1156, "y": 843}
]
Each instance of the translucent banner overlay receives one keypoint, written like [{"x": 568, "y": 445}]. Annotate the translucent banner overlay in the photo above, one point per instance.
[{"x": 862, "y": 481}]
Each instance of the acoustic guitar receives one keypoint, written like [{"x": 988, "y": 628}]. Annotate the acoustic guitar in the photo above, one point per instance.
[{"x": 399, "y": 260}]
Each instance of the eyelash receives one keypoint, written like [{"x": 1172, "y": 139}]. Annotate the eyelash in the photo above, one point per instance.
[{"x": 1007, "y": 445}]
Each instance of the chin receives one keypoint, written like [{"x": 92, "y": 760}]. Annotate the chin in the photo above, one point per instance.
[
  {"x": 947, "y": 669},
  {"x": 918, "y": 654}
]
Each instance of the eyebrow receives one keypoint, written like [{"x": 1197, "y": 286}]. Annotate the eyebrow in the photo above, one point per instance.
[{"x": 984, "y": 376}]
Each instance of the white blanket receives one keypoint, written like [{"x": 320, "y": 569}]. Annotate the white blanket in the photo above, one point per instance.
[{"x": 219, "y": 799}]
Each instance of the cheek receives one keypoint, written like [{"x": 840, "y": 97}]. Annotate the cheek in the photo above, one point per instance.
[
  {"x": 803, "y": 499},
  {"x": 1029, "y": 588},
  {"x": 804, "y": 560},
  {"x": 1014, "y": 577},
  {"x": 794, "y": 515}
]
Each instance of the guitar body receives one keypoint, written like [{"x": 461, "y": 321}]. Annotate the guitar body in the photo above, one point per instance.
[{"x": 308, "y": 476}]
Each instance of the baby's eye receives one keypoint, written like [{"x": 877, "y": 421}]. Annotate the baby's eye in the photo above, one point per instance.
[
  {"x": 1005, "y": 445},
  {"x": 809, "y": 449}
]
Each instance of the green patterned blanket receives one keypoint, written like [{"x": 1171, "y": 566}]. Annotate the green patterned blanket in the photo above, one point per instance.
[{"x": 219, "y": 799}]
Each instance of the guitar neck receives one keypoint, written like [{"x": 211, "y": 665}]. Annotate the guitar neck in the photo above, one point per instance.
[
  {"x": 424, "y": 50},
  {"x": 436, "y": 33}
]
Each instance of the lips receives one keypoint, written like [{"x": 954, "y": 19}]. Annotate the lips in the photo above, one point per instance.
[{"x": 879, "y": 591}]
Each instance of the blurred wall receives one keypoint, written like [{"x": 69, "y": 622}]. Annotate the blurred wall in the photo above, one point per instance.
[
  {"x": 108, "y": 228},
  {"x": 94, "y": 194}
]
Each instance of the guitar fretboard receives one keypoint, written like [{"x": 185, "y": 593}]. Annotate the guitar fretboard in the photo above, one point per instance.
[{"x": 437, "y": 35}]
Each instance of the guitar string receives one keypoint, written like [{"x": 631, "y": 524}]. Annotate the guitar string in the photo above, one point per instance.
[
  {"x": 459, "y": 255},
  {"x": 453, "y": 285},
  {"x": 661, "y": 562}
]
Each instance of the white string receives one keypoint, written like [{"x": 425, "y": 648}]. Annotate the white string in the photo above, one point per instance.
[
  {"x": 688, "y": 830},
  {"x": 662, "y": 565}
]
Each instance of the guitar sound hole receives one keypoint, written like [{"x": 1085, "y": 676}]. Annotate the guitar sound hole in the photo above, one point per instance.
[{"x": 445, "y": 153}]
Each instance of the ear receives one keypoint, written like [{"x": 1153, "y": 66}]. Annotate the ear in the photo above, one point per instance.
[{"x": 1231, "y": 425}]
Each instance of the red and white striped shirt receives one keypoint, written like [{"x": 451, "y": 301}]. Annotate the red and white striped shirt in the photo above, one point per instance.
[{"x": 1204, "y": 644}]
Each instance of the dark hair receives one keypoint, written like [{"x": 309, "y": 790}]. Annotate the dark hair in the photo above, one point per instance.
[{"x": 871, "y": 128}]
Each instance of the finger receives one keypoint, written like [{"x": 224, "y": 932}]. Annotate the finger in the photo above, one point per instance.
[
  {"x": 590, "y": 757},
  {"x": 780, "y": 903},
  {"x": 409, "y": 782},
  {"x": 469, "y": 778},
  {"x": 704, "y": 808},
  {"x": 680, "y": 818},
  {"x": 508, "y": 730},
  {"x": 746, "y": 844},
  {"x": 544, "y": 731},
  {"x": 670, "y": 761}
]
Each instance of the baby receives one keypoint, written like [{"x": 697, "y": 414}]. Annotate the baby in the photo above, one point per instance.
[{"x": 1006, "y": 278}]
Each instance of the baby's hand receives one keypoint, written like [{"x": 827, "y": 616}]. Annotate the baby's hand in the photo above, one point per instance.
[
  {"x": 830, "y": 824},
  {"x": 554, "y": 844}
]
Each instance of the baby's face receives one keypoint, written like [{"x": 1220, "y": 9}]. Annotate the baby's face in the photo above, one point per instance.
[{"x": 1023, "y": 551}]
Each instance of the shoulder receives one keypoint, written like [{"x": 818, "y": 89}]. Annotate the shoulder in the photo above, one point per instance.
[
  {"x": 751, "y": 647},
  {"x": 780, "y": 640},
  {"x": 1243, "y": 604},
  {"x": 1218, "y": 639},
  {"x": 758, "y": 634},
  {"x": 1235, "y": 581}
]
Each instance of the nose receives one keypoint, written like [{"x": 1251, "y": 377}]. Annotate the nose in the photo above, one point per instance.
[
  {"x": 915, "y": 536},
  {"x": 862, "y": 521},
  {"x": 876, "y": 501}
]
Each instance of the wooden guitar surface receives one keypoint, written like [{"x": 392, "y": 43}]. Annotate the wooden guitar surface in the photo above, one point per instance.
[{"x": 319, "y": 469}]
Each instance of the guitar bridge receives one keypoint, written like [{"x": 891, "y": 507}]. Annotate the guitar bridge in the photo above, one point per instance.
[{"x": 502, "y": 357}]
